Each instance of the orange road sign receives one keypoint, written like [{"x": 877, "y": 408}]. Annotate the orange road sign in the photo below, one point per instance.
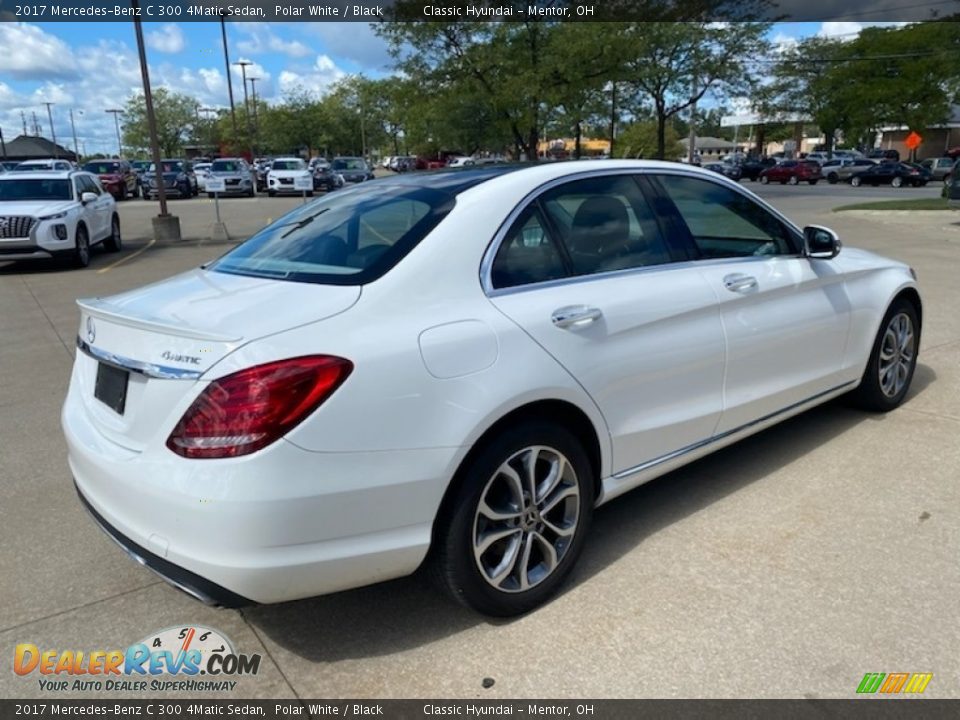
[{"x": 913, "y": 141}]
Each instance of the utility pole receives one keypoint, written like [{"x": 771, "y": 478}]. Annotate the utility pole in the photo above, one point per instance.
[
  {"x": 613, "y": 116},
  {"x": 246, "y": 100},
  {"x": 23, "y": 119},
  {"x": 53, "y": 131},
  {"x": 206, "y": 110},
  {"x": 36, "y": 125},
  {"x": 165, "y": 226},
  {"x": 692, "y": 140},
  {"x": 116, "y": 119},
  {"x": 226, "y": 63},
  {"x": 73, "y": 127},
  {"x": 3, "y": 145}
]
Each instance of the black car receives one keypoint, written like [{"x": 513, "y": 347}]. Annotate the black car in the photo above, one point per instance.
[
  {"x": 889, "y": 173},
  {"x": 881, "y": 154},
  {"x": 953, "y": 191},
  {"x": 734, "y": 172},
  {"x": 325, "y": 178},
  {"x": 752, "y": 167},
  {"x": 178, "y": 179},
  {"x": 352, "y": 169}
]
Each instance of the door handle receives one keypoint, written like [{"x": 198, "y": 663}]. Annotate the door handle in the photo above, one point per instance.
[
  {"x": 740, "y": 283},
  {"x": 575, "y": 316}
]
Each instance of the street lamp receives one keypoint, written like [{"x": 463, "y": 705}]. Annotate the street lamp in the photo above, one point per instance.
[
  {"x": 246, "y": 102},
  {"x": 116, "y": 120},
  {"x": 226, "y": 62}
]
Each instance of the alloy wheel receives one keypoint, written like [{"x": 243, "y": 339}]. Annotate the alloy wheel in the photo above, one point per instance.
[
  {"x": 897, "y": 352},
  {"x": 526, "y": 519}
]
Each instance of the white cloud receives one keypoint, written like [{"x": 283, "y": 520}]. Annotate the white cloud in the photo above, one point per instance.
[
  {"x": 353, "y": 41},
  {"x": 30, "y": 53},
  {"x": 168, "y": 39},
  {"x": 317, "y": 79},
  {"x": 263, "y": 40},
  {"x": 850, "y": 30}
]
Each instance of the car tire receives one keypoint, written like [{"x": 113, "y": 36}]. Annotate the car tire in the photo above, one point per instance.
[
  {"x": 813, "y": 182},
  {"x": 794, "y": 180},
  {"x": 893, "y": 360},
  {"x": 764, "y": 180},
  {"x": 833, "y": 178},
  {"x": 114, "y": 242},
  {"x": 896, "y": 182},
  {"x": 490, "y": 501},
  {"x": 271, "y": 193},
  {"x": 855, "y": 181},
  {"x": 210, "y": 195},
  {"x": 81, "y": 247}
]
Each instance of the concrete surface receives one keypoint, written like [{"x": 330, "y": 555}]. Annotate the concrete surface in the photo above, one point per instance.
[{"x": 785, "y": 566}]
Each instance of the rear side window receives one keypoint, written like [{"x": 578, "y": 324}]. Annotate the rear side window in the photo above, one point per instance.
[
  {"x": 725, "y": 223},
  {"x": 349, "y": 238},
  {"x": 527, "y": 254}
]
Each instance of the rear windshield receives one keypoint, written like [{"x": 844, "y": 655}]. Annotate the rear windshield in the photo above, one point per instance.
[
  {"x": 35, "y": 189},
  {"x": 349, "y": 238},
  {"x": 225, "y": 166}
]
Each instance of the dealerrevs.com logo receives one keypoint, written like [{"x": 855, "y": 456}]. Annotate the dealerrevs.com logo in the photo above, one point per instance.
[{"x": 169, "y": 660}]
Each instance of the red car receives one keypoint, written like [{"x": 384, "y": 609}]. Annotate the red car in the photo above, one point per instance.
[
  {"x": 793, "y": 172},
  {"x": 117, "y": 177}
]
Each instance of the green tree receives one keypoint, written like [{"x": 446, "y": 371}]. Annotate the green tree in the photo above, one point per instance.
[
  {"x": 640, "y": 140},
  {"x": 176, "y": 119}
]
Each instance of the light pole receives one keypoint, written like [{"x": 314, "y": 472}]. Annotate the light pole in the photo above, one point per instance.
[
  {"x": 53, "y": 132},
  {"x": 226, "y": 63},
  {"x": 73, "y": 127},
  {"x": 116, "y": 120},
  {"x": 256, "y": 121},
  {"x": 246, "y": 102},
  {"x": 165, "y": 226}
]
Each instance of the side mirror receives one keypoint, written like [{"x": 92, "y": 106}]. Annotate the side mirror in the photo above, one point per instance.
[
  {"x": 87, "y": 197},
  {"x": 820, "y": 243}
]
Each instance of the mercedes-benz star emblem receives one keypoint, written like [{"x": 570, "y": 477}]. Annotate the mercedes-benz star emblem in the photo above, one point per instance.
[{"x": 91, "y": 331}]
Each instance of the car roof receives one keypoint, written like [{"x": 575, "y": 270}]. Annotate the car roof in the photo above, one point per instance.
[{"x": 13, "y": 176}]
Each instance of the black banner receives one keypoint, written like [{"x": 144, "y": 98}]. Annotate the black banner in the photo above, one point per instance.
[
  {"x": 476, "y": 10},
  {"x": 865, "y": 708}
]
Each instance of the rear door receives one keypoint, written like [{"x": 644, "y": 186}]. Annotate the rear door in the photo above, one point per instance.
[
  {"x": 587, "y": 271},
  {"x": 785, "y": 317}
]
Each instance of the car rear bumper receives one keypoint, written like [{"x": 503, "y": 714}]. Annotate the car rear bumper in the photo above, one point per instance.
[{"x": 277, "y": 525}]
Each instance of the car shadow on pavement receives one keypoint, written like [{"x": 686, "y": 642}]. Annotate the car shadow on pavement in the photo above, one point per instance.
[{"x": 405, "y": 613}]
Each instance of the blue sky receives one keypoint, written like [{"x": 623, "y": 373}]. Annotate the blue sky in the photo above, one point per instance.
[{"x": 91, "y": 66}]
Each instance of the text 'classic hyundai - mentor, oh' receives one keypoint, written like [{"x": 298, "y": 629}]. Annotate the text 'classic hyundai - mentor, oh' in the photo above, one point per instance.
[{"x": 456, "y": 368}]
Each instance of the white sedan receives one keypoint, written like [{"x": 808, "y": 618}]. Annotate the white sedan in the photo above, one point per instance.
[{"x": 457, "y": 368}]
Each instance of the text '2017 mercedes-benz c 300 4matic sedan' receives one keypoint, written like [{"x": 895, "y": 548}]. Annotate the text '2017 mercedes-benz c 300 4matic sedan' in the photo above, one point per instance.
[{"x": 456, "y": 368}]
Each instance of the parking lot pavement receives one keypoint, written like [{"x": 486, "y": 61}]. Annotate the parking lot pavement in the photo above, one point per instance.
[{"x": 787, "y": 565}]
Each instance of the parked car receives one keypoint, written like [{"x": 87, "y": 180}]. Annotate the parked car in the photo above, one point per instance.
[
  {"x": 949, "y": 177},
  {"x": 940, "y": 168},
  {"x": 340, "y": 386},
  {"x": 116, "y": 176},
  {"x": 44, "y": 165},
  {"x": 888, "y": 173},
  {"x": 284, "y": 172},
  {"x": 819, "y": 157},
  {"x": 352, "y": 169},
  {"x": 793, "y": 172},
  {"x": 461, "y": 162},
  {"x": 325, "y": 178},
  {"x": 840, "y": 169},
  {"x": 881, "y": 154},
  {"x": 178, "y": 179},
  {"x": 262, "y": 169},
  {"x": 752, "y": 168},
  {"x": 56, "y": 213},
  {"x": 201, "y": 169},
  {"x": 728, "y": 169},
  {"x": 925, "y": 174},
  {"x": 237, "y": 177},
  {"x": 953, "y": 191}
]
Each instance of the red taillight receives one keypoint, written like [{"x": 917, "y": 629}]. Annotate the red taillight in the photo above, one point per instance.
[{"x": 243, "y": 412}]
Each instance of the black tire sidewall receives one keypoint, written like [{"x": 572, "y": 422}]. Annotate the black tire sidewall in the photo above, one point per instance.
[
  {"x": 454, "y": 559},
  {"x": 869, "y": 394},
  {"x": 78, "y": 259}
]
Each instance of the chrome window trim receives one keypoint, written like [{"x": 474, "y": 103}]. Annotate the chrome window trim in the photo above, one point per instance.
[
  {"x": 151, "y": 370},
  {"x": 486, "y": 264}
]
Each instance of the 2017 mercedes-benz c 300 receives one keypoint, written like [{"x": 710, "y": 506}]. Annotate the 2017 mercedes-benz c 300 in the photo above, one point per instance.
[{"x": 456, "y": 368}]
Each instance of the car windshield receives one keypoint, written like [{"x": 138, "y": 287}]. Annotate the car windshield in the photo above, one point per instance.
[
  {"x": 288, "y": 165},
  {"x": 35, "y": 189},
  {"x": 168, "y": 166},
  {"x": 35, "y": 166},
  {"x": 349, "y": 164},
  {"x": 349, "y": 238},
  {"x": 102, "y": 168},
  {"x": 225, "y": 166}
]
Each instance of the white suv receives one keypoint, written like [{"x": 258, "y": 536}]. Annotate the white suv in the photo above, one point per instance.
[
  {"x": 284, "y": 173},
  {"x": 47, "y": 214}
]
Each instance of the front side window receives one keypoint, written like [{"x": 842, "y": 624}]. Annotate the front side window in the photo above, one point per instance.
[
  {"x": 348, "y": 238},
  {"x": 725, "y": 223},
  {"x": 87, "y": 184}
]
